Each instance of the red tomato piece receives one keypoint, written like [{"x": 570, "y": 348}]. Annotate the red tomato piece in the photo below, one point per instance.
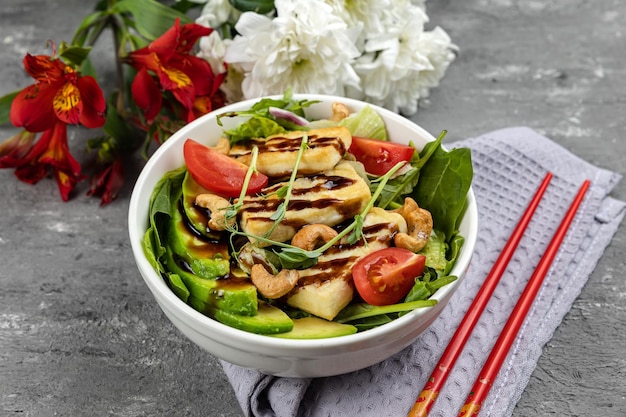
[
  {"x": 379, "y": 156},
  {"x": 386, "y": 276},
  {"x": 218, "y": 172}
]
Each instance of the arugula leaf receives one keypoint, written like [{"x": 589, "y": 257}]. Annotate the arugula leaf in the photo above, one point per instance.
[
  {"x": 433, "y": 286},
  {"x": 394, "y": 191},
  {"x": 362, "y": 310},
  {"x": 371, "y": 322},
  {"x": 420, "y": 291},
  {"x": 261, "y": 122},
  {"x": 255, "y": 127}
]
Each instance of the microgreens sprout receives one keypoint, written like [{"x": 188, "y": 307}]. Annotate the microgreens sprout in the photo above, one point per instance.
[
  {"x": 281, "y": 210},
  {"x": 293, "y": 257},
  {"x": 231, "y": 211},
  {"x": 357, "y": 224}
]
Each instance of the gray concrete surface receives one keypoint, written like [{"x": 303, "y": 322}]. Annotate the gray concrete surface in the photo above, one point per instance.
[{"x": 80, "y": 334}]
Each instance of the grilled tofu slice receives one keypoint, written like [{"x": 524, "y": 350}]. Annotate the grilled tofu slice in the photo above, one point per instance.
[
  {"x": 326, "y": 288},
  {"x": 278, "y": 153},
  {"x": 330, "y": 197}
]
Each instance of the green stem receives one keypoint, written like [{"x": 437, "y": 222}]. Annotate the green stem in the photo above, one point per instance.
[{"x": 119, "y": 70}]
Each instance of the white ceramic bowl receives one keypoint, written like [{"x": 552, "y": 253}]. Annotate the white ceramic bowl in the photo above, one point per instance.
[{"x": 283, "y": 357}]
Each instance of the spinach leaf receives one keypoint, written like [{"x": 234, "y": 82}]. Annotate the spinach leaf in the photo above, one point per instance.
[
  {"x": 442, "y": 189},
  {"x": 164, "y": 195}
]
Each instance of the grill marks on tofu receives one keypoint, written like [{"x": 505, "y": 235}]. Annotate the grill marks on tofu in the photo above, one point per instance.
[
  {"x": 329, "y": 197},
  {"x": 278, "y": 153},
  {"x": 326, "y": 288}
]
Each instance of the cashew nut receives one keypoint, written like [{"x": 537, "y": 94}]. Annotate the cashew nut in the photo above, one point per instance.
[
  {"x": 217, "y": 206},
  {"x": 312, "y": 236},
  {"x": 419, "y": 224},
  {"x": 273, "y": 286},
  {"x": 340, "y": 112},
  {"x": 222, "y": 146}
]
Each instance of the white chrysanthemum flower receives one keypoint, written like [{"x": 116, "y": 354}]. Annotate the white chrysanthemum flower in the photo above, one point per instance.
[
  {"x": 419, "y": 3},
  {"x": 217, "y": 12},
  {"x": 402, "y": 62},
  {"x": 305, "y": 48},
  {"x": 362, "y": 14},
  {"x": 212, "y": 49}
]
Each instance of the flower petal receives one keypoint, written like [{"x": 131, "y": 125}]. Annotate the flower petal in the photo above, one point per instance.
[
  {"x": 58, "y": 154},
  {"x": 67, "y": 104},
  {"x": 32, "y": 108},
  {"x": 66, "y": 183},
  {"x": 33, "y": 170},
  {"x": 165, "y": 45},
  {"x": 199, "y": 73},
  {"x": 178, "y": 83},
  {"x": 189, "y": 35},
  {"x": 94, "y": 103},
  {"x": 147, "y": 94},
  {"x": 108, "y": 182},
  {"x": 44, "y": 69}
]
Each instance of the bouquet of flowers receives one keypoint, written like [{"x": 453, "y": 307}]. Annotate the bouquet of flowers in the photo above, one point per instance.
[{"x": 172, "y": 70}]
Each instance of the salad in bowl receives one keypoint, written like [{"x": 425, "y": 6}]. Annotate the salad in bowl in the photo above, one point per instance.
[{"x": 319, "y": 270}]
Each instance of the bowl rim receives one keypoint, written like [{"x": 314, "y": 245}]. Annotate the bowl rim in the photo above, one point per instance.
[{"x": 231, "y": 335}]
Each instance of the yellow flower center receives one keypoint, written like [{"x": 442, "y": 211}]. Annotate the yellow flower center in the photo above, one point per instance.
[
  {"x": 180, "y": 78},
  {"x": 67, "y": 98}
]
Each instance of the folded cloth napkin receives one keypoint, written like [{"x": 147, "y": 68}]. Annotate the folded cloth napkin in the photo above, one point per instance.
[{"x": 508, "y": 164}]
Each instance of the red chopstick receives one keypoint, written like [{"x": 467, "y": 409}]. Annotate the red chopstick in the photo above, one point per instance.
[
  {"x": 435, "y": 382},
  {"x": 500, "y": 350}
]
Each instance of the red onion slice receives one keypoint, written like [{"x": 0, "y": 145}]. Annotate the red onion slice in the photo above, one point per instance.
[{"x": 287, "y": 115}]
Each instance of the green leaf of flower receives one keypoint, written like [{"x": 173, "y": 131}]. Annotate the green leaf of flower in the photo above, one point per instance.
[
  {"x": 152, "y": 18},
  {"x": 5, "y": 106},
  {"x": 257, "y": 6},
  {"x": 73, "y": 54}
]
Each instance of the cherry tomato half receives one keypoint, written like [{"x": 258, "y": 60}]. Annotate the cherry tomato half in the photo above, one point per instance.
[
  {"x": 379, "y": 156},
  {"x": 218, "y": 172},
  {"x": 386, "y": 276}
]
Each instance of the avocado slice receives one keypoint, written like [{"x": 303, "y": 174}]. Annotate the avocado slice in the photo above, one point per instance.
[
  {"x": 268, "y": 320},
  {"x": 316, "y": 328},
  {"x": 196, "y": 216},
  {"x": 205, "y": 257},
  {"x": 231, "y": 295}
]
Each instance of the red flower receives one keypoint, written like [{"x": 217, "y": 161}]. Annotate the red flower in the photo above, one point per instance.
[
  {"x": 108, "y": 182},
  {"x": 33, "y": 160},
  {"x": 186, "y": 76},
  {"x": 58, "y": 97},
  {"x": 59, "y": 94}
]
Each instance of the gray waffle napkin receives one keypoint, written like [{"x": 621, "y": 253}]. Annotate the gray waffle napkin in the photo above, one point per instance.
[{"x": 509, "y": 164}]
